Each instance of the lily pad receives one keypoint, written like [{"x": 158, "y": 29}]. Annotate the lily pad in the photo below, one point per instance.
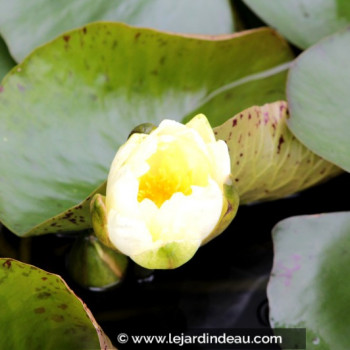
[
  {"x": 6, "y": 62},
  {"x": 39, "y": 311},
  {"x": 26, "y": 25},
  {"x": 68, "y": 107},
  {"x": 307, "y": 288},
  {"x": 267, "y": 161},
  {"x": 318, "y": 95},
  {"x": 76, "y": 218},
  {"x": 303, "y": 22}
]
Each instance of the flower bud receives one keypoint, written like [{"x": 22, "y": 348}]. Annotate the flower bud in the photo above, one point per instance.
[
  {"x": 95, "y": 266},
  {"x": 168, "y": 192}
]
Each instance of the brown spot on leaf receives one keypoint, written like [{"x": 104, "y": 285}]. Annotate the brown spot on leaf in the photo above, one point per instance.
[
  {"x": 137, "y": 35},
  {"x": 280, "y": 142},
  {"x": 84, "y": 30},
  {"x": 162, "y": 42},
  {"x": 68, "y": 215},
  {"x": 57, "y": 318},
  {"x": 44, "y": 278},
  {"x": 7, "y": 263},
  {"x": 63, "y": 306},
  {"x": 66, "y": 38},
  {"x": 266, "y": 118},
  {"x": 228, "y": 95},
  {"x": 44, "y": 295},
  {"x": 234, "y": 122},
  {"x": 114, "y": 44},
  {"x": 39, "y": 310}
]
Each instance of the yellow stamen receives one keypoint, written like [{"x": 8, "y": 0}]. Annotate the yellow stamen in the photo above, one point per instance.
[{"x": 175, "y": 167}]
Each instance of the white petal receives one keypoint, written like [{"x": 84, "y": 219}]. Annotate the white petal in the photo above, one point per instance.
[
  {"x": 189, "y": 217},
  {"x": 201, "y": 124},
  {"x": 126, "y": 150},
  {"x": 221, "y": 161},
  {"x": 122, "y": 192},
  {"x": 169, "y": 127},
  {"x": 128, "y": 234}
]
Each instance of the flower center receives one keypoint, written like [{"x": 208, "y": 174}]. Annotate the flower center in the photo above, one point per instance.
[{"x": 174, "y": 167}]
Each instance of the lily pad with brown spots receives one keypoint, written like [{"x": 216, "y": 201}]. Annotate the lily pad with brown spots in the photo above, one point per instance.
[
  {"x": 267, "y": 161},
  {"x": 39, "y": 311}
]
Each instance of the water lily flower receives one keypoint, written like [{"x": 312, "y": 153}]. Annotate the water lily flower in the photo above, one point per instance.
[{"x": 168, "y": 192}]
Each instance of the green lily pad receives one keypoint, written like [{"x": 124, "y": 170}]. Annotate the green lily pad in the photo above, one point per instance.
[
  {"x": 318, "y": 95},
  {"x": 267, "y": 161},
  {"x": 303, "y": 22},
  {"x": 308, "y": 286},
  {"x": 39, "y": 311},
  {"x": 68, "y": 107},
  {"x": 6, "y": 62},
  {"x": 26, "y": 25}
]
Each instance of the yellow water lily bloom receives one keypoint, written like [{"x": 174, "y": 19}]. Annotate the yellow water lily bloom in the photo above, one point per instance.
[{"x": 168, "y": 192}]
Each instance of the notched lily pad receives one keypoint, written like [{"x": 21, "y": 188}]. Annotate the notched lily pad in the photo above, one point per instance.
[
  {"x": 39, "y": 311},
  {"x": 267, "y": 161},
  {"x": 68, "y": 107}
]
